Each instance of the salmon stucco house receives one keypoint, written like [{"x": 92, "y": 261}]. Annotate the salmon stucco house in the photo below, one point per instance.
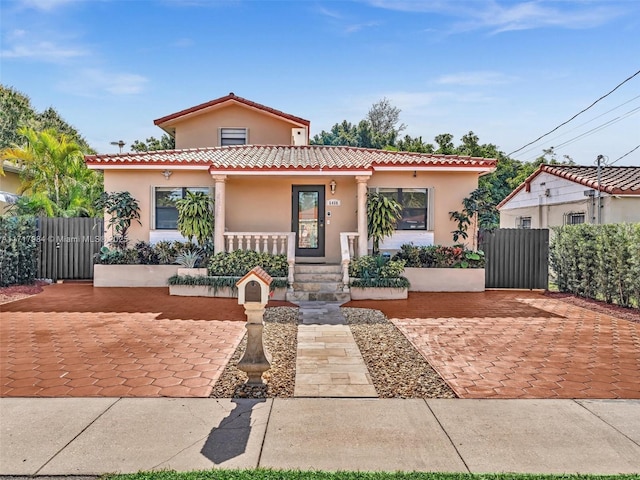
[{"x": 275, "y": 192}]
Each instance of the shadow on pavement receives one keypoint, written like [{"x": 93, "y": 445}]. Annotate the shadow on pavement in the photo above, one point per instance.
[{"x": 229, "y": 439}]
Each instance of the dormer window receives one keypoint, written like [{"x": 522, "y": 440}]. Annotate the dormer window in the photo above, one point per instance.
[{"x": 233, "y": 136}]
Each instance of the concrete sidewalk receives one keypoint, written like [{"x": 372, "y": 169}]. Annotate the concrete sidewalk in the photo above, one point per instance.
[{"x": 87, "y": 436}]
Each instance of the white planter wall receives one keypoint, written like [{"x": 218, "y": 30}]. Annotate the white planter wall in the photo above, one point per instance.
[
  {"x": 133, "y": 275},
  {"x": 378, "y": 293},
  {"x": 445, "y": 279}
]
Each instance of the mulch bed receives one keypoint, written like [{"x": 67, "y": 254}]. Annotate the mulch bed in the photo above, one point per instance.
[{"x": 631, "y": 314}]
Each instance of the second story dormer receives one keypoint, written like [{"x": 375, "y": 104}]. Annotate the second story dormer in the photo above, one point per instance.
[{"x": 233, "y": 120}]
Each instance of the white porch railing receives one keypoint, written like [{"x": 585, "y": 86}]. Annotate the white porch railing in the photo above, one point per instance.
[
  {"x": 348, "y": 250},
  {"x": 276, "y": 243}
]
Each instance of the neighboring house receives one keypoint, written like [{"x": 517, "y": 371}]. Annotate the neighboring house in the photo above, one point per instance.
[
  {"x": 268, "y": 182},
  {"x": 565, "y": 195},
  {"x": 9, "y": 185}
]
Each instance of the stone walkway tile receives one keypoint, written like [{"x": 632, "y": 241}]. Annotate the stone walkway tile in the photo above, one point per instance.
[{"x": 329, "y": 363}]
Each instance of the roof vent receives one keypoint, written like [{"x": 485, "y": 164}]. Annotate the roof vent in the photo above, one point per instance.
[{"x": 298, "y": 136}]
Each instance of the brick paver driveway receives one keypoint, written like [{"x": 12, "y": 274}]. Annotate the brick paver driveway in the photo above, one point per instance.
[
  {"x": 76, "y": 340},
  {"x": 520, "y": 345}
]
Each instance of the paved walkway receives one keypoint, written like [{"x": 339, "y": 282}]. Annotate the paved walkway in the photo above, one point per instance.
[
  {"x": 328, "y": 361},
  {"x": 90, "y": 436}
]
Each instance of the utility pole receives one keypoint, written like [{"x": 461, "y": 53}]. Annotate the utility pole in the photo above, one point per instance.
[{"x": 599, "y": 160}]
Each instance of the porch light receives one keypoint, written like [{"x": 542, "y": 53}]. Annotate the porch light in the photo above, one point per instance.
[
  {"x": 332, "y": 186},
  {"x": 167, "y": 174}
]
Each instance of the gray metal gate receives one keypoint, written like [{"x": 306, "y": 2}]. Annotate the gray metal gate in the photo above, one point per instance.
[
  {"x": 67, "y": 247},
  {"x": 516, "y": 258}
]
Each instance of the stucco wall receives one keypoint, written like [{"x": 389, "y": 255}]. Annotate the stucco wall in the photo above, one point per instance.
[
  {"x": 9, "y": 182},
  {"x": 140, "y": 184},
  {"x": 450, "y": 188},
  {"x": 263, "y": 203},
  {"x": 202, "y": 130},
  {"x": 547, "y": 214}
]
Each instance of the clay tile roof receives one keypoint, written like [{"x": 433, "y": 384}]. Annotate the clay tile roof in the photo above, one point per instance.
[
  {"x": 260, "y": 273},
  {"x": 281, "y": 157},
  {"x": 232, "y": 97},
  {"x": 613, "y": 180}
]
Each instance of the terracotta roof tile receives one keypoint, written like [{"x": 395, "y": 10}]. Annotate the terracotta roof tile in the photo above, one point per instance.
[
  {"x": 613, "y": 180},
  {"x": 278, "y": 157}
]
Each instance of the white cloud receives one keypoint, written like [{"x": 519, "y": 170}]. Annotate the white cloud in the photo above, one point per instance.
[
  {"x": 46, "y": 5},
  {"x": 183, "y": 43},
  {"x": 95, "y": 82},
  {"x": 507, "y": 16},
  {"x": 356, "y": 27},
  {"x": 470, "y": 79},
  {"x": 42, "y": 50}
]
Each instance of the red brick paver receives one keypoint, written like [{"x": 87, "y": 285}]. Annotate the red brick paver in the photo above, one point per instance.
[
  {"x": 76, "y": 340},
  {"x": 520, "y": 345}
]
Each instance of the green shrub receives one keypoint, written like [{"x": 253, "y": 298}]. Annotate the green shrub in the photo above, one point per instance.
[
  {"x": 146, "y": 253},
  {"x": 107, "y": 256},
  {"x": 438, "y": 256},
  {"x": 598, "y": 261},
  {"x": 219, "y": 281},
  {"x": 18, "y": 250},
  {"x": 240, "y": 262},
  {"x": 375, "y": 266}
]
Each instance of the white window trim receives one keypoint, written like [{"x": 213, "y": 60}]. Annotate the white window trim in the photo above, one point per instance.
[
  {"x": 152, "y": 212},
  {"x": 430, "y": 203}
]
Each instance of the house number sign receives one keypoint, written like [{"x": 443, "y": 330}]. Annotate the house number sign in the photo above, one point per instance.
[{"x": 333, "y": 203}]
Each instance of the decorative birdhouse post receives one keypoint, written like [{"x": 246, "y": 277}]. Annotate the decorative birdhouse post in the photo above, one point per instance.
[{"x": 253, "y": 293}]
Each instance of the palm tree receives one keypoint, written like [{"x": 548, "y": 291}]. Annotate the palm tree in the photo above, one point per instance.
[{"x": 54, "y": 172}]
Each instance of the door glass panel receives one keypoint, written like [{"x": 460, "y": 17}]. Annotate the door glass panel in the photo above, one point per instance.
[{"x": 307, "y": 219}]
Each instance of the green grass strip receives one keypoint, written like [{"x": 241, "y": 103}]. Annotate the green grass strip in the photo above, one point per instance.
[{"x": 268, "y": 474}]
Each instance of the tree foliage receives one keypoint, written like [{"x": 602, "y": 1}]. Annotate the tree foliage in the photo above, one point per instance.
[
  {"x": 380, "y": 129},
  {"x": 598, "y": 261},
  {"x": 195, "y": 216},
  {"x": 54, "y": 177},
  {"x": 123, "y": 209},
  {"x": 165, "y": 142},
  {"x": 383, "y": 214},
  {"x": 17, "y": 112}
]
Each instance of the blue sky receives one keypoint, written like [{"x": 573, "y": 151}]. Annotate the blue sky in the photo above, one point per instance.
[{"x": 509, "y": 71}]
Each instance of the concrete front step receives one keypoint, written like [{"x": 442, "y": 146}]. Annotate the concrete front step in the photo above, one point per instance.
[
  {"x": 298, "y": 296},
  {"x": 319, "y": 282},
  {"x": 319, "y": 277},
  {"x": 317, "y": 268},
  {"x": 317, "y": 286}
]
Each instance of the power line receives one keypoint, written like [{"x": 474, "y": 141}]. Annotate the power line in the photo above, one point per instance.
[
  {"x": 628, "y": 153},
  {"x": 581, "y": 125},
  {"x": 600, "y": 127},
  {"x": 596, "y": 129},
  {"x": 580, "y": 112}
]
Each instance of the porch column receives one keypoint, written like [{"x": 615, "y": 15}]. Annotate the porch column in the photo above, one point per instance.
[
  {"x": 362, "y": 215},
  {"x": 219, "y": 209}
]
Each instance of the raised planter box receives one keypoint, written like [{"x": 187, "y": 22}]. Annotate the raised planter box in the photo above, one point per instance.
[
  {"x": 445, "y": 279},
  {"x": 378, "y": 293},
  {"x": 192, "y": 272},
  {"x": 133, "y": 275},
  {"x": 221, "y": 292}
]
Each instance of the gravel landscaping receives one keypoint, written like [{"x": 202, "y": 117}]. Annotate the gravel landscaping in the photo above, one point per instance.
[
  {"x": 397, "y": 369},
  {"x": 280, "y": 338}
]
